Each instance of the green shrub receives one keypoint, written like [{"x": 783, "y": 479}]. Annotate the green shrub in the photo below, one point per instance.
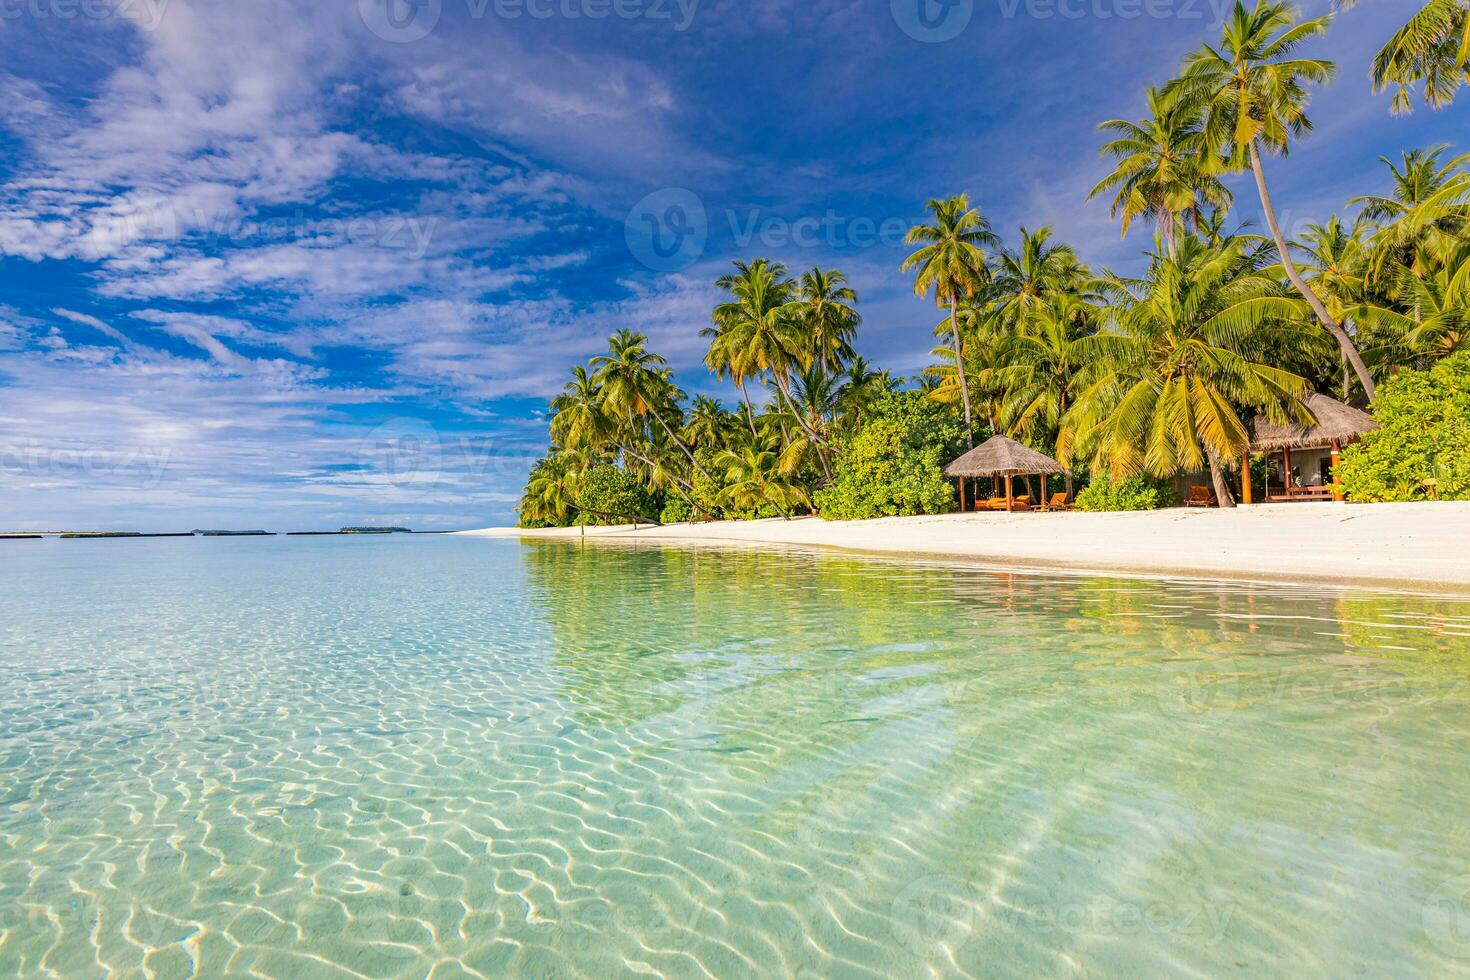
[
  {"x": 1423, "y": 449},
  {"x": 1138, "y": 493},
  {"x": 607, "y": 495},
  {"x": 676, "y": 511},
  {"x": 891, "y": 467}
]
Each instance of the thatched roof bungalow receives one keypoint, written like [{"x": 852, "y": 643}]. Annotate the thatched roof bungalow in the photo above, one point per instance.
[
  {"x": 1310, "y": 453},
  {"x": 1002, "y": 457}
]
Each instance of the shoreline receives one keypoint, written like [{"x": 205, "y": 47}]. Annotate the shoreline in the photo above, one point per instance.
[{"x": 1422, "y": 546}]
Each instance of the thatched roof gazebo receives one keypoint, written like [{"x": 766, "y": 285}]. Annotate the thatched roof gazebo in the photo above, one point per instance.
[
  {"x": 1003, "y": 457},
  {"x": 1337, "y": 425}
]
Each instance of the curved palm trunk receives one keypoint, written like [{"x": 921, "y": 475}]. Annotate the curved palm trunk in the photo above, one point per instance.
[
  {"x": 749, "y": 411},
  {"x": 959, "y": 363},
  {"x": 629, "y": 451},
  {"x": 670, "y": 433},
  {"x": 1344, "y": 341},
  {"x": 782, "y": 384},
  {"x": 818, "y": 443}
]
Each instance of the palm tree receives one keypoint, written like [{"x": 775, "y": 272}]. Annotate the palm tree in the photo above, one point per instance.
[
  {"x": 579, "y": 422},
  {"x": 1023, "y": 279},
  {"x": 981, "y": 321},
  {"x": 814, "y": 396},
  {"x": 551, "y": 491},
  {"x": 757, "y": 320},
  {"x": 1433, "y": 48},
  {"x": 636, "y": 384},
  {"x": 862, "y": 387},
  {"x": 753, "y": 478},
  {"x": 1425, "y": 212},
  {"x": 1162, "y": 171},
  {"x": 1252, "y": 96},
  {"x": 1337, "y": 264},
  {"x": 1163, "y": 392},
  {"x": 952, "y": 265},
  {"x": 1043, "y": 362},
  {"x": 728, "y": 356},
  {"x": 1432, "y": 317},
  {"x": 709, "y": 426},
  {"x": 825, "y": 308}
]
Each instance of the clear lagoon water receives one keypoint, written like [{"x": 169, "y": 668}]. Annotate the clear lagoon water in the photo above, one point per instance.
[{"x": 447, "y": 757}]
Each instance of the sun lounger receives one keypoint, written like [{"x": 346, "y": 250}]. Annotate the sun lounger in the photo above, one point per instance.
[{"x": 1201, "y": 497}]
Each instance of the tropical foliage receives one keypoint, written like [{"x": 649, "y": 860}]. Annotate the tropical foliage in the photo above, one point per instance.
[
  {"x": 891, "y": 466},
  {"x": 1127, "y": 380},
  {"x": 1423, "y": 450},
  {"x": 1136, "y": 493}
]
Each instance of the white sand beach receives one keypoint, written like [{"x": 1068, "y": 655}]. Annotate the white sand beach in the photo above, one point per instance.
[{"x": 1425, "y": 545}]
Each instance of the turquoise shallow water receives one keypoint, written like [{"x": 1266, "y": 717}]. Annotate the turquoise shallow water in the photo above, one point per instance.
[{"x": 449, "y": 757}]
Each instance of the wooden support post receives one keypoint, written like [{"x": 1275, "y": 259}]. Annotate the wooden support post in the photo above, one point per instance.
[
  {"x": 1010, "y": 493},
  {"x": 1337, "y": 493},
  {"x": 1245, "y": 479},
  {"x": 1286, "y": 469},
  {"x": 962, "y": 495},
  {"x": 1043, "y": 493}
]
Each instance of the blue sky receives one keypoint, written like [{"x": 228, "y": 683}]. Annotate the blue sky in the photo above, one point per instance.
[{"x": 300, "y": 265}]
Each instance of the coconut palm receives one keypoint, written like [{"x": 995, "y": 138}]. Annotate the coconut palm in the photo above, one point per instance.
[
  {"x": 861, "y": 388},
  {"x": 708, "y": 426},
  {"x": 551, "y": 492},
  {"x": 758, "y": 321},
  {"x": 1025, "y": 278},
  {"x": 1432, "y": 316},
  {"x": 728, "y": 356},
  {"x": 815, "y": 396},
  {"x": 1336, "y": 261},
  {"x": 636, "y": 384},
  {"x": 952, "y": 264},
  {"x": 1424, "y": 214},
  {"x": 1162, "y": 171},
  {"x": 1251, "y": 92},
  {"x": 1043, "y": 361},
  {"x": 579, "y": 421},
  {"x": 1433, "y": 48},
  {"x": 981, "y": 321},
  {"x": 753, "y": 478},
  {"x": 825, "y": 309},
  {"x": 1163, "y": 391}
]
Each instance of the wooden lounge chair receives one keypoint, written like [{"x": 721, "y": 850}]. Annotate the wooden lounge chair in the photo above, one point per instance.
[
  {"x": 1201, "y": 497},
  {"x": 1021, "y": 503},
  {"x": 1058, "y": 502}
]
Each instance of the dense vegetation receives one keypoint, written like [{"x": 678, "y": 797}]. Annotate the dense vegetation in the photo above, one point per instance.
[
  {"x": 1423, "y": 450},
  {"x": 1126, "y": 379}
]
